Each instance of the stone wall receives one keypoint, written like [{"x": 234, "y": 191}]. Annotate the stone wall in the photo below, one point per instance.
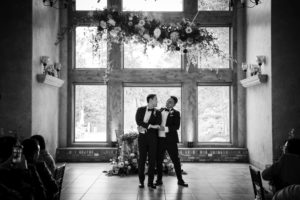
[{"x": 81, "y": 154}]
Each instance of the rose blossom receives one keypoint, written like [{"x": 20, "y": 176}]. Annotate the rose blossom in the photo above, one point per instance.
[
  {"x": 157, "y": 32},
  {"x": 188, "y": 29},
  {"x": 112, "y": 22}
]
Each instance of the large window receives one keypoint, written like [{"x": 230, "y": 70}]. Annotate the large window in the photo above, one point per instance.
[
  {"x": 136, "y": 55},
  {"x": 135, "y": 97},
  {"x": 90, "y": 113},
  {"x": 213, "y": 114},
  {"x": 153, "y": 5},
  {"x": 106, "y": 99}
]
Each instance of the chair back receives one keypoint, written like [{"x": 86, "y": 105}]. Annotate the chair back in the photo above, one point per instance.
[
  {"x": 59, "y": 176},
  {"x": 257, "y": 183}
]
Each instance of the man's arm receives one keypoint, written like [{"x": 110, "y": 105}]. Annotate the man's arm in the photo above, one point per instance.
[
  {"x": 139, "y": 118},
  {"x": 174, "y": 126},
  {"x": 155, "y": 124}
]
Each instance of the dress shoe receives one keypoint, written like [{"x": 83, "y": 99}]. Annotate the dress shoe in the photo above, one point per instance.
[
  {"x": 158, "y": 183},
  {"x": 141, "y": 185},
  {"x": 151, "y": 185},
  {"x": 182, "y": 183}
]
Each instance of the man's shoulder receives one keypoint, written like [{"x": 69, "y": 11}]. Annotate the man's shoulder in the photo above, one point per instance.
[
  {"x": 142, "y": 107},
  {"x": 176, "y": 111}
]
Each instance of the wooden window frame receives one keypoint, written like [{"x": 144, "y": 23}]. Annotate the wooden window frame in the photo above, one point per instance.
[{"x": 120, "y": 76}]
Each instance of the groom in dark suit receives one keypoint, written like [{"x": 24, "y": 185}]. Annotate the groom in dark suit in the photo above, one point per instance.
[
  {"x": 148, "y": 120},
  {"x": 168, "y": 139}
]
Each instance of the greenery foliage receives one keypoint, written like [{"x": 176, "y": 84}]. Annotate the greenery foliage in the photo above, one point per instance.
[{"x": 123, "y": 27}]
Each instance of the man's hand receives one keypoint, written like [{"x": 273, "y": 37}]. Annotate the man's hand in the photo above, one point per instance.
[
  {"x": 161, "y": 128},
  {"x": 141, "y": 129}
]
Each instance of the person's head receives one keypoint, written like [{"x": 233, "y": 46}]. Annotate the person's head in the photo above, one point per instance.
[
  {"x": 6, "y": 147},
  {"x": 152, "y": 100},
  {"x": 293, "y": 146},
  {"x": 31, "y": 150},
  {"x": 41, "y": 141},
  {"x": 171, "y": 102}
]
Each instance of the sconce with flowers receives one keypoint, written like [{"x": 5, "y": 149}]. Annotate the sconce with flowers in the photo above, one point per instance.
[
  {"x": 254, "y": 68},
  {"x": 48, "y": 68}
]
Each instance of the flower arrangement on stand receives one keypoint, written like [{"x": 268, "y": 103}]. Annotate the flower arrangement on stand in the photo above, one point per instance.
[
  {"x": 124, "y": 166},
  {"x": 168, "y": 167},
  {"x": 126, "y": 160}
]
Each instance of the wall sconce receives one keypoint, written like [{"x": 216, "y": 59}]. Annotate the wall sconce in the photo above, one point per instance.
[
  {"x": 254, "y": 68},
  {"x": 190, "y": 144}
]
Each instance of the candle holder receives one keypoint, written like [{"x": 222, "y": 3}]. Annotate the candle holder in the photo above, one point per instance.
[
  {"x": 114, "y": 144},
  {"x": 190, "y": 144}
]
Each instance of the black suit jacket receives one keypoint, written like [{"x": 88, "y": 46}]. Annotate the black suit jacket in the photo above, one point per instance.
[
  {"x": 155, "y": 118},
  {"x": 173, "y": 123}
]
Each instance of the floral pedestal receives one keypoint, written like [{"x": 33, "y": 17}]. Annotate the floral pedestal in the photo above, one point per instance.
[{"x": 126, "y": 160}]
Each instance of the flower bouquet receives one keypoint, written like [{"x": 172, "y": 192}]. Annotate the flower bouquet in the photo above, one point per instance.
[{"x": 124, "y": 165}]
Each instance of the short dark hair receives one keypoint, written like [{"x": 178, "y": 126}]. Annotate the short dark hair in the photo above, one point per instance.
[
  {"x": 293, "y": 146},
  {"x": 174, "y": 98},
  {"x": 150, "y": 96},
  {"x": 30, "y": 147},
  {"x": 41, "y": 141},
  {"x": 6, "y": 146}
]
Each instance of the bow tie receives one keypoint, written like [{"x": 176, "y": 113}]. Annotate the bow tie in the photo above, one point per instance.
[
  {"x": 150, "y": 109},
  {"x": 167, "y": 110}
]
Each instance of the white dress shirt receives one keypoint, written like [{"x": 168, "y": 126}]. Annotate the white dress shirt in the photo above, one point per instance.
[{"x": 164, "y": 116}]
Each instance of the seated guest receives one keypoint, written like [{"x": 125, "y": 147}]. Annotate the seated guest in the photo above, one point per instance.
[
  {"x": 16, "y": 182},
  {"x": 31, "y": 151},
  {"x": 291, "y": 192},
  {"x": 44, "y": 156},
  {"x": 286, "y": 171}
]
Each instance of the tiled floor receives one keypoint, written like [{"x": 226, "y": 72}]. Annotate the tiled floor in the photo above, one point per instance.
[{"x": 207, "y": 181}]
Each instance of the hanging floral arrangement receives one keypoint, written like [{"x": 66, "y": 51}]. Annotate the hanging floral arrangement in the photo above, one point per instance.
[
  {"x": 121, "y": 27},
  {"x": 184, "y": 36}
]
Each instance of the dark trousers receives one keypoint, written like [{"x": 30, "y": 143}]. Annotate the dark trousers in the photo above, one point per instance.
[
  {"x": 172, "y": 149},
  {"x": 147, "y": 145}
]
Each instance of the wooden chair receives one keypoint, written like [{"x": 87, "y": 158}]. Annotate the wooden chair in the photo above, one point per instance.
[
  {"x": 59, "y": 176},
  {"x": 258, "y": 188}
]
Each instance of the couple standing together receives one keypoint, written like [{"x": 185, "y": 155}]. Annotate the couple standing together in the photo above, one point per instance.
[{"x": 158, "y": 134}]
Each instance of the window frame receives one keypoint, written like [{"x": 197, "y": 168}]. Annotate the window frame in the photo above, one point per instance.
[
  {"x": 230, "y": 117},
  {"x": 187, "y": 80}
]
